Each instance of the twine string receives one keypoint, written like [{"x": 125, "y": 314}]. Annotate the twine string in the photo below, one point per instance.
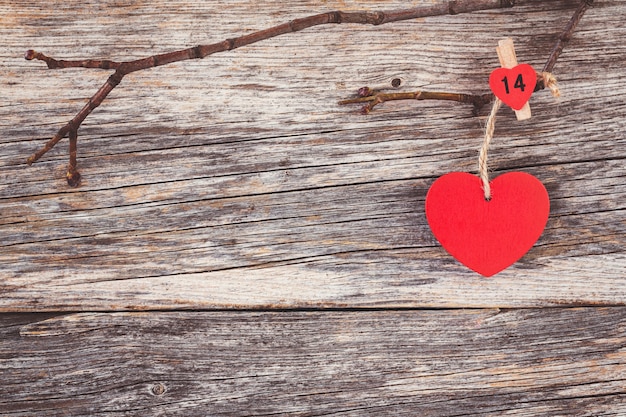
[
  {"x": 483, "y": 170},
  {"x": 549, "y": 81}
]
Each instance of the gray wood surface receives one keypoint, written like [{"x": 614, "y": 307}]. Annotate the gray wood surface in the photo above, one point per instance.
[
  {"x": 277, "y": 240},
  {"x": 487, "y": 362},
  {"x": 237, "y": 180}
]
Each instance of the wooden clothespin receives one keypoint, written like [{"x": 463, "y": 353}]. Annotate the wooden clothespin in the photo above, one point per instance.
[{"x": 508, "y": 59}]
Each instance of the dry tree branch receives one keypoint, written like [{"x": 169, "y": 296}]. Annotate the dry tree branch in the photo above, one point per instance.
[
  {"x": 372, "y": 98},
  {"x": 201, "y": 51}
]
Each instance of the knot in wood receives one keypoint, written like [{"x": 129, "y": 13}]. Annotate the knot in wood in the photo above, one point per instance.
[{"x": 158, "y": 389}]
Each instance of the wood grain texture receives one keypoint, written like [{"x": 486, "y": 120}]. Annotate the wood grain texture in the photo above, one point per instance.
[
  {"x": 237, "y": 181},
  {"x": 534, "y": 362}
]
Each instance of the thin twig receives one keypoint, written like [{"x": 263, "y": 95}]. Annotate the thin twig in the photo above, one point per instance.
[
  {"x": 564, "y": 38},
  {"x": 202, "y": 51},
  {"x": 73, "y": 177},
  {"x": 375, "y": 98},
  {"x": 58, "y": 64}
]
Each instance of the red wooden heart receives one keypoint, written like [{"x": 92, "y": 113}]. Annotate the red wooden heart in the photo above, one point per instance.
[
  {"x": 487, "y": 236},
  {"x": 513, "y": 86}
]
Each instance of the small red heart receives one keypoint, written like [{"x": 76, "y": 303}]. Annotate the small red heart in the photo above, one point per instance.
[
  {"x": 487, "y": 236},
  {"x": 513, "y": 86}
]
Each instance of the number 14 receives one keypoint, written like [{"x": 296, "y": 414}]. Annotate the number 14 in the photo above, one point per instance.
[{"x": 519, "y": 83}]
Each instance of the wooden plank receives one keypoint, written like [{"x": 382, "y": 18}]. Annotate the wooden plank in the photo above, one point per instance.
[
  {"x": 563, "y": 362},
  {"x": 237, "y": 181}
]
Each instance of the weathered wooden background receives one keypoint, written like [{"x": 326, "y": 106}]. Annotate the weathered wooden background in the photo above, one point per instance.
[{"x": 278, "y": 240}]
